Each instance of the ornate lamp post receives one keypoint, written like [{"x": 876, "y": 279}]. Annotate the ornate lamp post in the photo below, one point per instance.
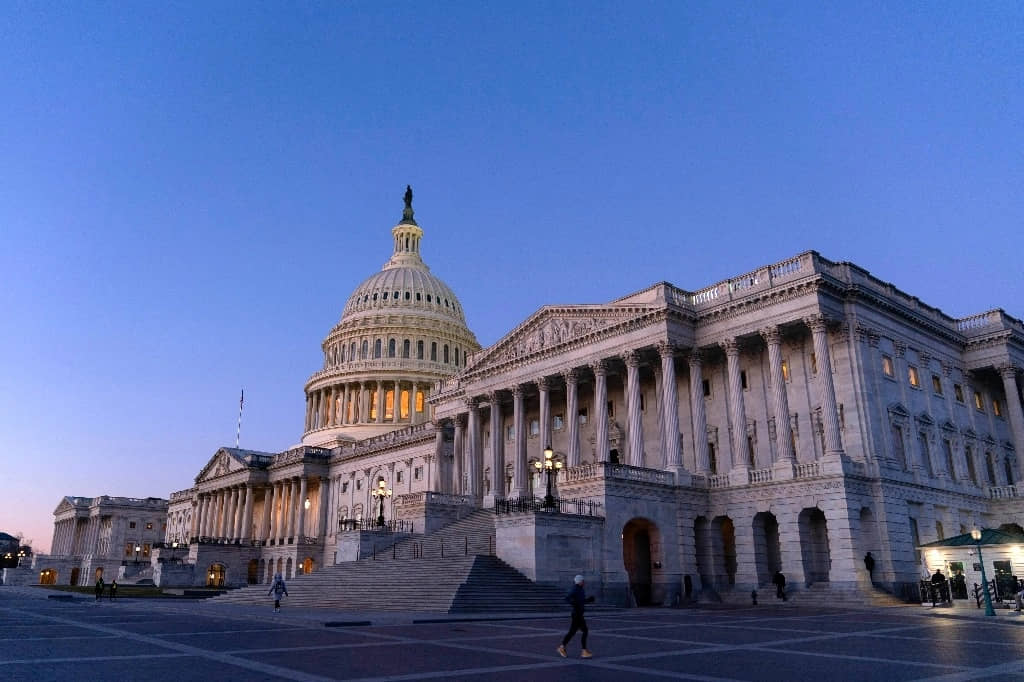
[
  {"x": 381, "y": 492},
  {"x": 989, "y": 611},
  {"x": 550, "y": 467},
  {"x": 137, "y": 550},
  {"x": 21, "y": 555}
]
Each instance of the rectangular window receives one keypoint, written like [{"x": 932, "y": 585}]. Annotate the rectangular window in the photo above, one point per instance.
[
  {"x": 743, "y": 379},
  {"x": 643, "y": 403},
  {"x": 145, "y": 551},
  {"x": 947, "y": 445},
  {"x": 706, "y": 385},
  {"x": 712, "y": 458},
  {"x": 359, "y": 484},
  {"x": 389, "y": 404},
  {"x": 398, "y": 476},
  {"x": 611, "y": 409},
  {"x": 785, "y": 370},
  {"x": 915, "y": 538},
  {"x": 814, "y": 363},
  {"x": 404, "y": 405},
  {"x": 915, "y": 381},
  {"x": 897, "y": 445},
  {"x": 534, "y": 427},
  {"x": 887, "y": 367},
  {"x": 971, "y": 471},
  {"x": 129, "y": 549},
  {"x": 940, "y": 532},
  {"x": 926, "y": 452},
  {"x": 417, "y": 473},
  {"x": 979, "y": 403},
  {"x": 558, "y": 422},
  {"x": 583, "y": 416},
  {"x": 958, "y": 392},
  {"x": 131, "y": 524},
  {"x": 373, "y": 404},
  {"x": 149, "y": 526},
  {"x": 419, "y": 401},
  {"x": 937, "y": 384},
  {"x": 344, "y": 486},
  {"x": 997, "y": 408}
]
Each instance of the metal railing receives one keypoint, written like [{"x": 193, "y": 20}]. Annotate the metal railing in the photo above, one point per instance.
[
  {"x": 563, "y": 505},
  {"x": 392, "y": 526}
]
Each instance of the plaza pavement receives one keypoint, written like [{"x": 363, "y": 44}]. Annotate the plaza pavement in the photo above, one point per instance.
[{"x": 156, "y": 640}]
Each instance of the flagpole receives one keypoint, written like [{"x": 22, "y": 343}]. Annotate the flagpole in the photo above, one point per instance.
[{"x": 238, "y": 434}]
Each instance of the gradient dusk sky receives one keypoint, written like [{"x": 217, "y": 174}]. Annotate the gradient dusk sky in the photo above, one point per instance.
[{"x": 190, "y": 191}]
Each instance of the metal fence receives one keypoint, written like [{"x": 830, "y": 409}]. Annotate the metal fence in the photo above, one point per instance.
[
  {"x": 563, "y": 505},
  {"x": 392, "y": 526}
]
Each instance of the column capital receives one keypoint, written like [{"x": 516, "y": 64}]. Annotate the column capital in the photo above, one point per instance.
[
  {"x": 666, "y": 349},
  {"x": 731, "y": 347},
  {"x": 817, "y": 322},
  {"x": 471, "y": 402},
  {"x": 695, "y": 357},
  {"x": 1008, "y": 370},
  {"x": 571, "y": 376},
  {"x": 543, "y": 383},
  {"x": 461, "y": 419},
  {"x": 631, "y": 358},
  {"x": 494, "y": 398},
  {"x": 771, "y": 335},
  {"x": 518, "y": 391},
  {"x": 599, "y": 367}
]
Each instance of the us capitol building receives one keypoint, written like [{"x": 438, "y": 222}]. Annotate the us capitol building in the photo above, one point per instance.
[{"x": 791, "y": 418}]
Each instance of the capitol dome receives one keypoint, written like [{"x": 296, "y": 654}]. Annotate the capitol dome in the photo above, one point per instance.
[{"x": 402, "y": 330}]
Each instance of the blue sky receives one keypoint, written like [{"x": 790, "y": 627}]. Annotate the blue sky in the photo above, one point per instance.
[{"x": 190, "y": 191}]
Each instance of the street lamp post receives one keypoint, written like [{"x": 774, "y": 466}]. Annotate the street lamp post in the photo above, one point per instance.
[
  {"x": 21, "y": 555},
  {"x": 137, "y": 550},
  {"x": 381, "y": 492},
  {"x": 989, "y": 611},
  {"x": 550, "y": 467}
]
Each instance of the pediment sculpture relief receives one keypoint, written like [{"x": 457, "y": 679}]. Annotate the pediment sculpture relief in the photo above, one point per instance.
[{"x": 551, "y": 332}]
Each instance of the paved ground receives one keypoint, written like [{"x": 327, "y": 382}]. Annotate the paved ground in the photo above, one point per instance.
[{"x": 45, "y": 639}]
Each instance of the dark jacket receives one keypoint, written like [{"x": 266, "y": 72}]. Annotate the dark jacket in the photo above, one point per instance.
[{"x": 577, "y": 598}]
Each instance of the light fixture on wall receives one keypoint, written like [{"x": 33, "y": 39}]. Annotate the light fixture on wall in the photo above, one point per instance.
[{"x": 306, "y": 504}]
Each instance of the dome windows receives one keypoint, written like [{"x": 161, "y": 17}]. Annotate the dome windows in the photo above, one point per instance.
[
  {"x": 419, "y": 296},
  {"x": 407, "y": 295},
  {"x": 391, "y": 348},
  {"x": 428, "y": 298}
]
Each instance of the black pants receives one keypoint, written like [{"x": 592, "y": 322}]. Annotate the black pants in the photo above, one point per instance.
[
  {"x": 780, "y": 592},
  {"x": 578, "y": 623}
]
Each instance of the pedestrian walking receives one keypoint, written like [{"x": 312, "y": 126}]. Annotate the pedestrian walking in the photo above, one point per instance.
[
  {"x": 869, "y": 566},
  {"x": 99, "y": 588},
  {"x": 779, "y": 581},
  {"x": 277, "y": 588},
  {"x": 113, "y": 590},
  {"x": 577, "y": 598}
]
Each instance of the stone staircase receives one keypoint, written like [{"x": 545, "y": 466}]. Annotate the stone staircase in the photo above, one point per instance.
[
  {"x": 823, "y": 594},
  {"x": 448, "y": 571}
]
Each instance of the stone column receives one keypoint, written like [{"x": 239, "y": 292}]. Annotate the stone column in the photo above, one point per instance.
[
  {"x": 309, "y": 411},
  {"x": 736, "y": 410},
  {"x": 829, "y": 411},
  {"x": 396, "y": 403},
  {"x": 1016, "y": 414},
  {"x": 292, "y": 494},
  {"x": 246, "y": 534},
  {"x": 203, "y": 514},
  {"x": 221, "y": 518},
  {"x": 497, "y": 453},
  {"x": 635, "y": 416},
  {"x": 240, "y": 513},
  {"x": 300, "y": 507},
  {"x": 601, "y": 410},
  {"x": 264, "y": 533},
  {"x": 659, "y": 457},
  {"x": 323, "y": 503},
  {"x": 436, "y": 485},
  {"x": 459, "y": 455},
  {"x": 475, "y": 458},
  {"x": 698, "y": 415},
  {"x": 544, "y": 391},
  {"x": 572, "y": 409},
  {"x": 783, "y": 427},
  {"x": 670, "y": 401},
  {"x": 380, "y": 402},
  {"x": 271, "y": 513},
  {"x": 519, "y": 474}
]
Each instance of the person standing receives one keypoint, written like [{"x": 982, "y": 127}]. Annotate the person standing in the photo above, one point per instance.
[
  {"x": 99, "y": 588},
  {"x": 869, "y": 566},
  {"x": 277, "y": 588},
  {"x": 113, "y": 590},
  {"x": 577, "y": 598},
  {"x": 779, "y": 581}
]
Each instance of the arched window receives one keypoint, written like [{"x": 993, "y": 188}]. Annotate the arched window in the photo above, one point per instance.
[
  {"x": 463, "y": 358},
  {"x": 376, "y": 349},
  {"x": 352, "y": 351},
  {"x": 433, "y": 351},
  {"x": 456, "y": 356},
  {"x": 446, "y": 354},
  {"x": 407, "y": 295},
  {"x": 391, "y": 348},
  {"x": 419, "y": 350},
  {"x": 405, "y": 348},
  {"x": 362, "y": 355}
]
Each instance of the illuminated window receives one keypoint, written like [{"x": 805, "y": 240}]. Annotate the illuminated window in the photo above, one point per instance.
[
  {"x": 419, "y": 401},
  {"x": 129, "y": 548},
  {"x": 404, "y": 405},
  {"x": 149, "y": 526},
  {"x": 978, "y": 402},
  {"x": 915, "y": 381},
  {"x": 814, "y": 363},
  {"x": 785, "y": 370},
  {"x": 936, "y": 384},
  {"x": 389, "y": 404},
  {"x": 373, "y": 404},
  {"x": 145, "y": 551},
  {"x": 997, "y": 409},
  {"x": 887, "y": 367}
]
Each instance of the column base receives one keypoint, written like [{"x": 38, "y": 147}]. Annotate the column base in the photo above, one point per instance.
[
  {"x": 783, "y": 470},
  {"x": 835, "y": 463},
  {"x": 739, "y": 475},
  {"x": 682, "y": 475}
]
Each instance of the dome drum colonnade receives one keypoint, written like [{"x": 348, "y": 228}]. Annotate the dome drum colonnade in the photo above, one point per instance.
[{"x": 468, "y": 463}]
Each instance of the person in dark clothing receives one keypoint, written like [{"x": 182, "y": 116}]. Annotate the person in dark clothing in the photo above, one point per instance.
[
  {"x": 779, "y": 581},
  {"x": 113, "y": 590},
  {"x": 99, "y": 588},
  {"x": 869, "y": 564},
  {"x": 938, "y": 587},
  {"x": 577, "y": 598}
]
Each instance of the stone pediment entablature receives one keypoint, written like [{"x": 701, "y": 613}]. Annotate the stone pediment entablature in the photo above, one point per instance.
[
  {"x": 948, "y": 426},
  {"x": 898, "y": 410},
  {"x": 66, "y": 506},
  {"x": 553, "y": 329},
  {"x": 925, "y": 419},
  {"x": 225, "y": 461}
]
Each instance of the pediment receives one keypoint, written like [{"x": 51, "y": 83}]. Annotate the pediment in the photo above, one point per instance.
[
  {"x": 64, "y": 506},
  {"x": 222, "y": 462},
  {"x": 948, "y": 426},
  {"x": 552, "y": 327},
  {"x": 898, "y": 409},
  {"x": 926, "y": 419}
]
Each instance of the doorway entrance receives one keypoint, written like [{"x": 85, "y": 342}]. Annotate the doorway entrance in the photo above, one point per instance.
[
  {"x": 215, "y": 576},
  {"x": 640, "y": 542}
]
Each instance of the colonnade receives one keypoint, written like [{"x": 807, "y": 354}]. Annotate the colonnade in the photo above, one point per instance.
[
  {"x": 227, "y": 513},
  {"x": 353, "y": 403},
  {"x": 468, "y": 462}
]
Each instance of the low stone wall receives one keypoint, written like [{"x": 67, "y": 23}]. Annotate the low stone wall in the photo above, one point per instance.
[
  {"x": 353, "y": 545},
  {"x": 551, "y": 548}
]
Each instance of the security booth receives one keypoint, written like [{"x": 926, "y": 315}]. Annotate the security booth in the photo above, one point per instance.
[{"x": 965, "y": 562}]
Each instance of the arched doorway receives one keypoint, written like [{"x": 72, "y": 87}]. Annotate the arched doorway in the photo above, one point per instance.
[
  {"x": 814, "y": 545},
  {"x": 640, "y": 543},
  {"x": 48, "y": 576},
  {"x": 702, "y": 538},
  {"x": 253, "y": 573},
  {"x": 307, "y": 565},
  {"x": 868, "y": 540},
  {"x": 280, "y": 566},
  {"x": 767, "y": 549},
  {"x": 289, "y": 571},
  {"x": 215, "y": 576},
  {"x": 98, "y": 574},
  {"x": 74, "y": 575},
  {"x": 723, "y": 538},
  {"x": 263, "y": 570}
]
